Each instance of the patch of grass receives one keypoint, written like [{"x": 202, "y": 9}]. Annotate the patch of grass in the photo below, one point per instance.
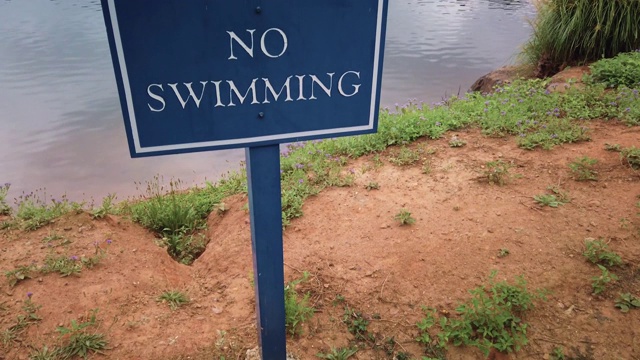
[
  {"x": 77, "y": 341},
  {"x": 456, "y": 142},
  {"x": 297, "y": 309},
  {"x": 557, "y": 353},
  {"x": 372, "y": 185},
  {"x": 570, "y": 32},
  {"x": 548, "y": 200},
  {"x": 19, "y": 274},
  {"x": 613, "y": 147},
  {"x": 497, "y": 172},
  {"x": 426, "y": 167},
  {"x": 598, "y": 252},
  {"x": 583, "y": 169},
  {"x": 599, "y": 283},
  {"x": 338, "y": 354},
  {"x": 184, "y": 247},
  {"x": 44, "y": 353},
  {"x": 67, "y": 265},
  {"x": 35, "y": 210},
  {"x": 5, "y": 209},
  {"x": 626, "y": 301},
  {"x": 492, "y": 318},
  {"x": 106, "y": 208},
  {"x": 357, "y": 324},
  {"x": 173, "y": 298},
  {"x": 404, "y": 217},
  {"x": 632, "y": 157},
  {"x": 503, "y": 252},
  {"x": 621, "y": 70},
  {"x": 23, "y": 321},
  {"x": 404, "y": 157}
]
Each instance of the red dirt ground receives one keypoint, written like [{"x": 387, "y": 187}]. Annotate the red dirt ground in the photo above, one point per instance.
[{"x": 352, "y": 246}]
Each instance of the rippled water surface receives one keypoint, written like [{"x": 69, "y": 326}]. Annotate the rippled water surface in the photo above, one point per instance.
[{"x": 61, "y": 126}]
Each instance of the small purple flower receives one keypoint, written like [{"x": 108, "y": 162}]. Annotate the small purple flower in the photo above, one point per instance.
[
  {"x": 627, "y": 109},
  {"x": 73, "y": 258},
  {"x": 486, "y": 110},
  {"x": 109, "y": 240},
  {"x": 544, "y": 126},
  {"x": 438, "y": 123},
  {"x": 503, "y": 113},
  {"x": 7, "y": 185},
  {"x": 554, "y": 136},
  {"x": 487, "y": 103},
  {"x": 29, "y": 294},
  {"x": 300, "y": 181},
  {"x": 547, "y": 92},
  {"x": 522, "y": 135},
  {"x": 299, "y": 166}
]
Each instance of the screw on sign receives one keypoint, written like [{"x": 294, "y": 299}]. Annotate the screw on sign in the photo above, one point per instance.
[{"x": 213, "y": 74}]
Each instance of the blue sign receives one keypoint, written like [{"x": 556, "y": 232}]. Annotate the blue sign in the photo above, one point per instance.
[{"x": 201, "y": 75}]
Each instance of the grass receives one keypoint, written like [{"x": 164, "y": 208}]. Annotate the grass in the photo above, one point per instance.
[
  {"x": 36, "y": 209},
  {"x": 106, "y": 208},
  {"x": 404, "y": 217},
  {"x": 625, "y": 302},
  {"x": 297, "y": 309},
  {"x": 631, "y": 156},
  {"x": 570, "y": 32},
  {"x": 550, "y": 200},
  {"x": 23, "y": 321},
  {"x": 497, "y": 172},
  {"x": 5, "y": 209},
  {"x": 404, "y": 157},
  {"x": 338, "y": 354},
  {"x": 620, "y": 71},
  {"x": 582, "y": 169},
  {"x": 492, "y": 318},
  {"x": 597, "y": 252},
  {"x": 357, "y": 324},
  {"x": 599, "y": 283},
  {"x": 173, "y": 298}
]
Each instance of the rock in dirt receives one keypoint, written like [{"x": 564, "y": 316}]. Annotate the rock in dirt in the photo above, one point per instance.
[
  {"x": 502, "y": 76},
  {"x": 254, "y": 354}
]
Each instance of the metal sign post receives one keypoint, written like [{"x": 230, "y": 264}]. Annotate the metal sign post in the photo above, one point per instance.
[
  {"x": 263, "y": 175},
  {"x": 201, "y": 75}
]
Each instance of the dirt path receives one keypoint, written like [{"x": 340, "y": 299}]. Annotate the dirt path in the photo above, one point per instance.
[{"x": 360, "y": 257}]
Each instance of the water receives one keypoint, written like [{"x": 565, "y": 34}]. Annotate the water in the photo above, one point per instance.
[{"x": 61, "y": 126}]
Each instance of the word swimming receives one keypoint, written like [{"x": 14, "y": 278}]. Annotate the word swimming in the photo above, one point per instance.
[{"x": 261, "y": 91}]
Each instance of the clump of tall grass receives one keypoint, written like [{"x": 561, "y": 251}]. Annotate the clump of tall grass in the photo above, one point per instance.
[{"x": 570, "y": 32}]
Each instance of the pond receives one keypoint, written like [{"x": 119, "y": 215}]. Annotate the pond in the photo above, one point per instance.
[{"x": 60, "y": 120}]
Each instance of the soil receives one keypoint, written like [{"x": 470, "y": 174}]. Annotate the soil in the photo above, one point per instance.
[{"x": 359, "y": 256}]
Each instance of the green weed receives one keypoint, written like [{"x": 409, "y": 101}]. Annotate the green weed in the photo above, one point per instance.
[
  {"x": 503, "y": 252},
  {"x": 599, "y": 283},
  {"x": 174, "y": 298},
  {"x": 45, "y": 353},
  {"x": 557, "y": 354},
  {"x": 35, "y": 210},
  {"x": 456, "y": 142},
  {"x": 23, "y": 321},
  {"x": 19, "y": 274},
  {"x": 185, "y": 248},
  {"x": 77, "y": 341},
  {"x": 404, "y": 217},
  {"x": 627, "y": 301},
  {"x": 5, "y": 209},
  {"x": 338, "y": 354},
  {"x": 492, "y": 318},
  {"x": 357, "y": 324},
  {"x": 632, "y": 157},
  {"x": 621, "y": 70},
  {"x": 497, "y": 172},
  {"x": 613, "y": 147},
  {"x": 404, "y": 157},
  {"x": 548, "y": 200},
  {"x": 583, "y": 168},
  {"x": 372, "y": 185},
  {"x": 597, "y": 252},
  {"x": 106, "y": 208},
  {"x": 297, "y": 309}
]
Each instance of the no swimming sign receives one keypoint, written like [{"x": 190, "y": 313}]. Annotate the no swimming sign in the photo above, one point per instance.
[
  {"x": 204, "y": 74},
  {"x": 196, "y": 75}
]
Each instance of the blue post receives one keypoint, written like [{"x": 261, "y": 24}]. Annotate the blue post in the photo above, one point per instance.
[{"x": 265, "y": 206}]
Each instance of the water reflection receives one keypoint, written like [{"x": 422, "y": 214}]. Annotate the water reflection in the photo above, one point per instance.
[{"x": 59, "y": 112}]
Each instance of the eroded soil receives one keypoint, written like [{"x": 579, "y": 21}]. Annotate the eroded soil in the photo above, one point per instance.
[{"x": 354, "y": 250}]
